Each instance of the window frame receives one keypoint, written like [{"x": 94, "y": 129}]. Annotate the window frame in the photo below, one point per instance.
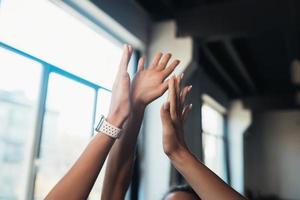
[{"x": 47, "y": 69}]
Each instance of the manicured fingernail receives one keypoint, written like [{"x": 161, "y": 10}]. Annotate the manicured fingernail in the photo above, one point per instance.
[{"x": 182, "y": 75}]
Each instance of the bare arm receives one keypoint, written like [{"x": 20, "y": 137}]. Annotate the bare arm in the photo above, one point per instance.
[
  {"x": 206, "y": 184},
  {"x": 148, "y": 85},
  {"x": 79, "y": 180}
]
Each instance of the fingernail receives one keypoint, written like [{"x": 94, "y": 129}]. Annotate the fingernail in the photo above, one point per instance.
[
  {"x": 182, "y": 75},
  {"x": 190, "y": 106},
  {"x": 190, "y": 87}
]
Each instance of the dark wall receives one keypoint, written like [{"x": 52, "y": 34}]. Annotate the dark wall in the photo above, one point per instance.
[{"x": 272, "y": 148}]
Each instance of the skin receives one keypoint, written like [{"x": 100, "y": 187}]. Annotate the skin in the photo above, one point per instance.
[
  {"x": 205, "y": 183},
  {"x": 79, "y": 180},
  {"x": 148, "y": 84},
  {"x": 181, "y": 195}
]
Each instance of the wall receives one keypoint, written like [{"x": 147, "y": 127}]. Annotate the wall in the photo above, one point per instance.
[
  {"x": 239, "y": 119},
  {"x": 130, "y": 15},
  {"x": 156, "y": 166},
  {"x": 272, "y": 149}
]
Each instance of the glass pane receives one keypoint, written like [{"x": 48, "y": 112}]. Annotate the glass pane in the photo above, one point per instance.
[
  {"x": 214, "y": 155},
  {"x": 212, "y": 121},
  {"x": 89, "y": 53},
  {"x": 19, "y": 90},
  {"x": 67, "y": 130},
  {"x": 103, "y": 102}
]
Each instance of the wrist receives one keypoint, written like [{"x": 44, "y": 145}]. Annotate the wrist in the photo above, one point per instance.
[
  {"x": 138, "y": 106},
  {"x": 180, "y": 155},
  {"x": 115, "y": 120}
]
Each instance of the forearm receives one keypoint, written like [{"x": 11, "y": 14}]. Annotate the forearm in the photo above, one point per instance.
[
  {"x": 205, "y": 183},
  {"x": 121, "y": 159},
  {"x": 78, "y": 182}
]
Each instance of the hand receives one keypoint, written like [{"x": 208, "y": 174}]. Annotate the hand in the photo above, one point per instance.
[
  {"x": 149, "y": 84},
  {"x": 173, "y": 115},
  {"x": 119, "y": 105}
]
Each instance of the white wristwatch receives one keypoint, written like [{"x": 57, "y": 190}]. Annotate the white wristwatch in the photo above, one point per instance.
[{"x": 107, "y": 128}]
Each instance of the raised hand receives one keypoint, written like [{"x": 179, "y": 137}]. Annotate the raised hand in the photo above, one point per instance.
[
  {"x": 119, "y": 105},
  {"x": 79, "y": 180},
  {"x": 173, "y": 115},
  {"x": 205, "y": 183},
  {"x": 149, "y": 84}
]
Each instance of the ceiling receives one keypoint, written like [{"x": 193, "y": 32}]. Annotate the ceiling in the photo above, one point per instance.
[{"x": 247, "y": 46}]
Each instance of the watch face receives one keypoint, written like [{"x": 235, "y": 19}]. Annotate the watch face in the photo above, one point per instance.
[{"x": 100, "y": 123}]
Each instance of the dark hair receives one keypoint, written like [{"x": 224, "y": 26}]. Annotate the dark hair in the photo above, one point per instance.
[{"x": 181, "y": 188}]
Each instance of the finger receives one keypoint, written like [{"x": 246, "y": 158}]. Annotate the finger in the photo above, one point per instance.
[
  {"x": 186, "y": 111},
  {"x": 156, "y": 59},
  {"x": 165, "y": 114},
  {"x": 165, "y": 59},
  {"x": 178, "y": 81},
  {"x": 177, "y": 86},
  {"x": 172, "y": 98},
  {"x": 130, "y": 48},
  {"x": 168, "y": 70},
  {"x": 141, "y": 64},
  {"x": 127, "y": 51},
  {"x": 184, "y": 93}
]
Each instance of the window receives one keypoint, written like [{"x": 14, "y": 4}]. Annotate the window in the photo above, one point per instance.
[
  {"x": 213, "y": 140},
  {"x": 52, "y": 75},
  {"x": 48, "y": 32},
  {"x": 67, "y": 130},
  {"x": 19, "y": 90}
]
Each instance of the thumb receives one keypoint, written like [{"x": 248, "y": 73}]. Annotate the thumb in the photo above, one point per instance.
[{"x": 165, "y": 113}]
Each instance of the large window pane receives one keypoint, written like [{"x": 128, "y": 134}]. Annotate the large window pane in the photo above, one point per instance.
[
  {"x": 48, "y": 32},
  {"x": 214, "y": 156},
  {"x": 103, "y": 102},
  {"x": 212, "y": 120},
  {"x": 213, "y": 140},
  {"x": 67, "y": 130},
  {"x": 19, "y": 90}
]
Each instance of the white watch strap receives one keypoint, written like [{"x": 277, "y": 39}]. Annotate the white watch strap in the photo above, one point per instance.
[{"x": 107, "y": 128}]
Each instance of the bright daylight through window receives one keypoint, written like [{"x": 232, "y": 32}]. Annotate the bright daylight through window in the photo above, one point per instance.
[
  {"x": 213, "y": 140},
  {"x": 52, "y": 60}
]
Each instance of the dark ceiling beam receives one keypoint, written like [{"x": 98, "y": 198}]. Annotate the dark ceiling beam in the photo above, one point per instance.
[
  {"x": 271, "y": 102},
  {"x": 220, "y": 69},
  {"x": 239, "y": 65},
  {"x": 168, "y": 4},
  {"x": 236, "y": 18}
]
